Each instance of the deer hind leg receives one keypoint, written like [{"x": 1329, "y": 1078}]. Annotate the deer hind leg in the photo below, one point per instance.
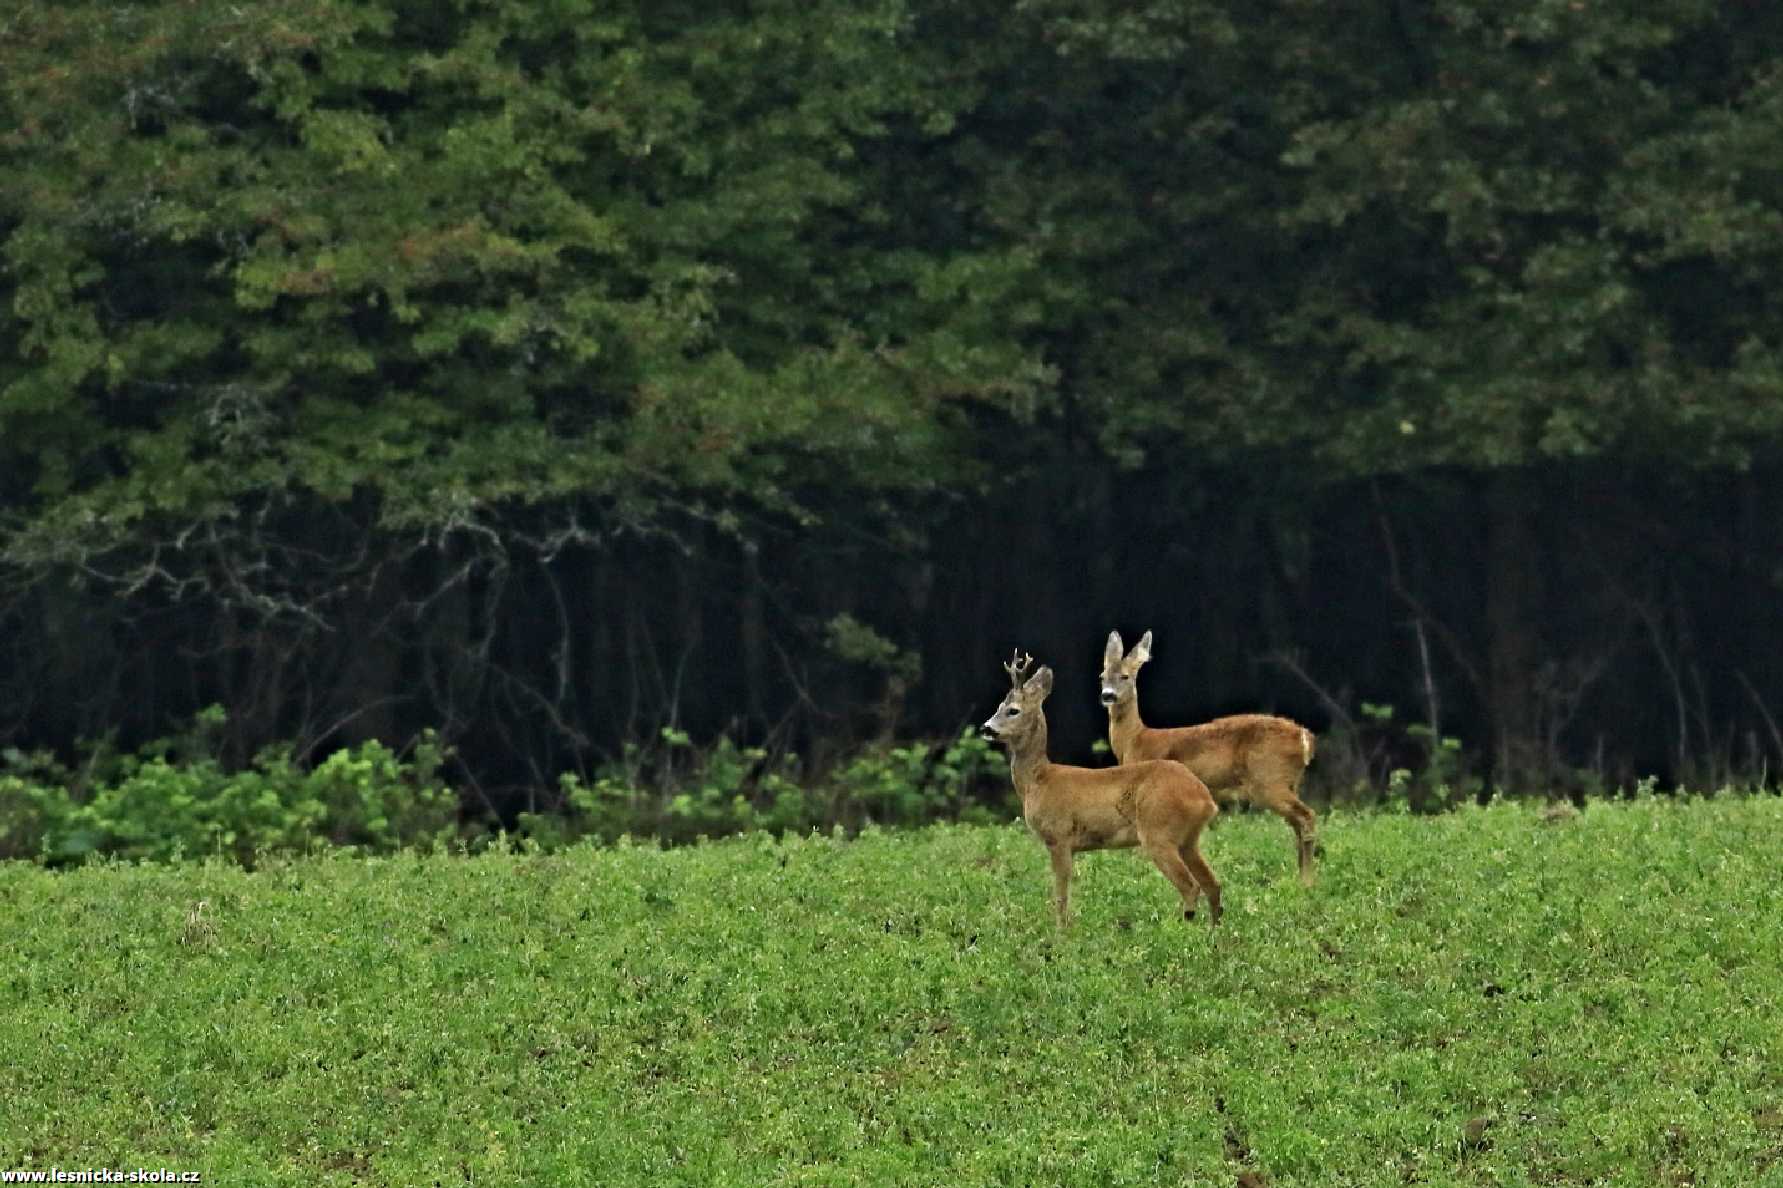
[
  {"x": 1193, "y": 899},
  {"x": 1306, "y": 832},
  {"x": 1061, "y": 882},
  {"x": 1278, "y": 796},
  {"x": 1182, "y": 864},
  {"x": 1304, "y": 823},
  {"x": 1190, "y": 850}
]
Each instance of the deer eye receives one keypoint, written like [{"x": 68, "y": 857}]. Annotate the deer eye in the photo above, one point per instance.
[{"x": 1012, "y": 711}]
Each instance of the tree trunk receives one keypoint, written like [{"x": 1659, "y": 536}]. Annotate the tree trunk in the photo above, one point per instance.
[
  {"x": 753, "y": 634},
  {"x": 1513, "y": 604},
  {"x": 368, "y": 692}
]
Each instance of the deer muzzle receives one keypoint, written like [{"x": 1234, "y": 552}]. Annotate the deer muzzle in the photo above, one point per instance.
[{"x": 1107, "y": 695}]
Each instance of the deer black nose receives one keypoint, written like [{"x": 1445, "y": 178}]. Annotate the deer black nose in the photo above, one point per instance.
[{"x": 1108, "y": 697}]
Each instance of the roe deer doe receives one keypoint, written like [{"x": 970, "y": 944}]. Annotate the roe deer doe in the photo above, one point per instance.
[
  {"x": 1257, "y": 756},
  {"x": 1159, "y": 807}
]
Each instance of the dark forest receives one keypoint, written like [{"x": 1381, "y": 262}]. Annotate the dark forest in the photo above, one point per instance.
[{"x": 552, "y": 375}]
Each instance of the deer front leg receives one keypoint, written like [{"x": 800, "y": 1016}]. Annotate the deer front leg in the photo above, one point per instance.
[{"x": 1061, "y": 882}]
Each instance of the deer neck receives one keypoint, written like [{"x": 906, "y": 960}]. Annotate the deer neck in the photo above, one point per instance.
[
  {"x": 1124, "y": 726},
  {"x": 1027, "y": 758}
]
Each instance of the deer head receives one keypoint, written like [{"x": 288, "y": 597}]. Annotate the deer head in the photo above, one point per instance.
[
  {"x": 1015, "y": 718},
  {"x": 1120, "y": 671}
]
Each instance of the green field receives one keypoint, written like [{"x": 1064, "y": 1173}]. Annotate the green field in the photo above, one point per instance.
[{"x": 1486, "y": 997}]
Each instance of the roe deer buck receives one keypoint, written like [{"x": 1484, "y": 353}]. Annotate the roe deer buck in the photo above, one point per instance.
[
  {"x": 1159, "y": 807},
  {"x": 1257, "y": 756}
]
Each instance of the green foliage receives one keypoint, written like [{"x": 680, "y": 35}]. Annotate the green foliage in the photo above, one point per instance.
[
  {"x": 174, "y": 798},
  {"x": 850, "y": 639},
  {"x": 1483, "y": 997},
  {"x": 463, "y": 258},
  {"x": 151, "y": 806},
  {"x": 732, "y": 789},
  {"x": 727, "y": 789},
  {"x": 912, "y": 784},
  {"x": 296, "y": 289},
  {"x": 1398, "y": 765},
  {"x": 484, "y": 255}
]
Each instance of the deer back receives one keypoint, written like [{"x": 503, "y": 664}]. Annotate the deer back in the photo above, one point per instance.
[{"x": 1232, "y": 751}]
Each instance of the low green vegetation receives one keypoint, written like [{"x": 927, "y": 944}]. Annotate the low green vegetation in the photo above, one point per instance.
[
  {"x": 174, "y": 798},
  {"x": 1489, "y": 996},
  {"x": 687, "y": 793}
]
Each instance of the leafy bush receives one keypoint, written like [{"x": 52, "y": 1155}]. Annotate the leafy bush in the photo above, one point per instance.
[
  {"x": 1378, "y": 759},
  {"x": 727, "y": 789},
  {"x": 911, "y": 785},
  {"x": 733, "y": 789},
  {"x": 153, "y": 805},
  {"x": 175, "y": 798}
]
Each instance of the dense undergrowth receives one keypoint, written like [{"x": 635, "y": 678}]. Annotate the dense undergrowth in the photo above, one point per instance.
[{"x": 176, "y": 798}]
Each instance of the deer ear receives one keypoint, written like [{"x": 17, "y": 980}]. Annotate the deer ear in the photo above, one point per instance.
[
  {"x": 1142, "y": 651},
  {"x": 1039, "y": 685},
  {"x": 1112, "y": 653}
]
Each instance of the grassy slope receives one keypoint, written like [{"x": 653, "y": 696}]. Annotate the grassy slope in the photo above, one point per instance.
[{"x": 1604, "y": 992}]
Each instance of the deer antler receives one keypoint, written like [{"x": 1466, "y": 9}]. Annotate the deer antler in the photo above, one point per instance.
[{"x": 1017, "y": 668}]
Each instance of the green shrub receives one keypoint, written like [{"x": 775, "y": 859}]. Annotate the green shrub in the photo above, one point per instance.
[
  {"x": 149, "y": 805},
  {"x": 912, "y": 785},
  {"x": 174, "y": 798},
  {"x": 733, "y": 789},
  {"x": 371, "y": 797},
  {"x": 32, "y": 812}
]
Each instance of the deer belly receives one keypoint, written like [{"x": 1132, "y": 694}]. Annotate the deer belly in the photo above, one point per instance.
[
  {"x": 1104, "y": 835},
  {"x": 1112, "y": 832},
  {"x": 1223, "y": 778}
]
